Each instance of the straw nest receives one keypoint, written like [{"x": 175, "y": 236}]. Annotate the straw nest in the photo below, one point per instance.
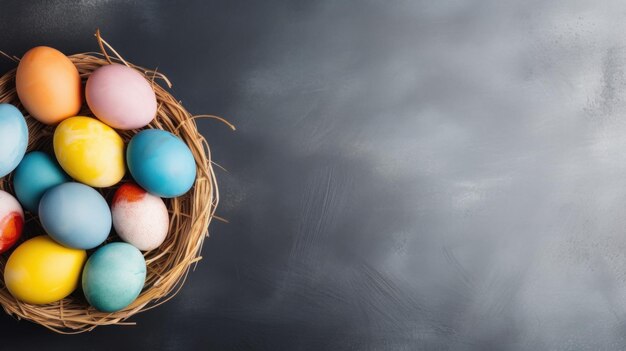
[{"x": 190, "y": 214}]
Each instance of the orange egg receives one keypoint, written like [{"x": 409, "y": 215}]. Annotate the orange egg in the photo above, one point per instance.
[{"x": 48, "y": 85}]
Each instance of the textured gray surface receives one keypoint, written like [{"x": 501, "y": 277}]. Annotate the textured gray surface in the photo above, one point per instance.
[{"x": 405, "y": 175}]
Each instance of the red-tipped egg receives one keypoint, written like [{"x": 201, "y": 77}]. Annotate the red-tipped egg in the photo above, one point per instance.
[
  {"x": 139, "y": 218},
  {"x": 11, "y": 221}
]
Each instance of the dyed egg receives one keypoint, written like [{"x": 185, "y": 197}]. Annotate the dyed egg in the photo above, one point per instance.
[
  {"x": 121, "y": 97},
  {"x": 89, "y": 151},
  {"x": 13, "y": 138},
  {"x": 139, "y": 218},
  {"x": 114, "y": 276},
  {"x": 75, "y": 215},
  {"x": 40, "y": 271},
  {"x": 37, "y": 173},
  {"x": 48, "y": 85},
  {"x": 161, "y": 163},
  {"x": 11, "y": 221}
]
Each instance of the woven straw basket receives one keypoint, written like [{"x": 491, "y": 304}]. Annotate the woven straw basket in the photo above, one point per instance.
[{"x": 190, "y": 214}]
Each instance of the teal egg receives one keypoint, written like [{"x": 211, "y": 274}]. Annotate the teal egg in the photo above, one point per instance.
[
  {"x": 37, "y": 173},
  {"x": 114, "y": 276}
]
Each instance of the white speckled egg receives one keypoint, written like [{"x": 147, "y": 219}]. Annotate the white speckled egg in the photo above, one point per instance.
[{"x": 139, "y": 218}]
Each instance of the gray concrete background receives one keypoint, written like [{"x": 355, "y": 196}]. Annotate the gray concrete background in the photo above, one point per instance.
[{"x": 405, "y": 175}]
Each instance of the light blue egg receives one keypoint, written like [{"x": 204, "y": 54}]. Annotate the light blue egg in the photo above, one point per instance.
[
  {"x": 13, "y": 138},
  {"x": 36, "y": 173},
  {"x": 161, "y": 163},
  {"x": 75, "y": 215},
  {"x": 114, "y": 276}
]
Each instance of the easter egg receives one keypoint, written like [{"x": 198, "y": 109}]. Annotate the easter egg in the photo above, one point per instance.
[
  {"x": 161, "y": 163},
  {"x": 13, "y": 138},
  {"x": 139, "y": 218},
  {"x": 41, "y": 271},
  {"x": 11, "y": 221},
  {"x": 89, "y": 151},
  {"x": 121, "y": 97},
  {"x": 114, "y": 276},
  {"x": 48, "y": 85},
  {"x": 36, "y": 173},
  {"x": 75, "y": 215}
]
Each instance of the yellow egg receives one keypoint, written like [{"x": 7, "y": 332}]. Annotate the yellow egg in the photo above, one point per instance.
[
  {"x": 89, "y": 151},
  {"x": 40, "y": 271}
]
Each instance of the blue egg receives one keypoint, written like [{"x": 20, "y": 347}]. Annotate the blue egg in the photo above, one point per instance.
[
  {"x": 13, "y": 138},
  {"x": 114, "y": 276},
  {"x": 36, "y": 173},
  {"x": 161, "y": 163},
  {"x": 75, "y": 215}
]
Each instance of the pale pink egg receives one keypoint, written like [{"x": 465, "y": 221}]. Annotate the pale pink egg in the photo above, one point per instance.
[
  {"x": 11, "y": 221},
  {"x": 139, "y": 218},
  {"x": 121, "y": 97}
]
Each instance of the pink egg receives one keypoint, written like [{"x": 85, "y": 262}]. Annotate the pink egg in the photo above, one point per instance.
[
  {"x": 11, "y": 221},
  {"x": 139, "y": 218},
  {"x": 121, "y": 97}
]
